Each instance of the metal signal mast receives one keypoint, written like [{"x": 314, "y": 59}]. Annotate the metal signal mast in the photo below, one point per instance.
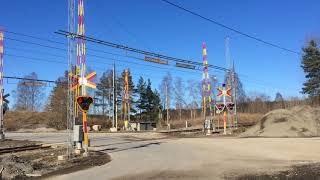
[
  {"x": 1, "y": 84},
  {"x": 206, "y": 88},
  {"x": 71, "y": 105},
  {"x": 77, "y": 79}
]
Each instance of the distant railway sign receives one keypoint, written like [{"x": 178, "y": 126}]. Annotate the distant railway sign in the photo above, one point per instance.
[
  {"x": 155, "y": 60},
  {"x": 187, "y": 66},
  {"x": 84, "y": 103}
]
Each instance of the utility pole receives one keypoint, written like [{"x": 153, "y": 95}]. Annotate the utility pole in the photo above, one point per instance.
[
  {"x": 115, "y": 98},
  {"x": 234, "y": 80},
  {"x": 114, "y": 95},
  {"x": 229, "y": 83},
  {"x": 167, "y": 103},
  {"x": 214, "y": 83}
]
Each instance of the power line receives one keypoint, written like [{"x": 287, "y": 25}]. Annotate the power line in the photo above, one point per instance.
[
  {"x": 37, "y": 44},
  {"x": 133, "y": 73},
  {"x": 35, "y": 59},
  {"x": 232, "y": 29},
  {"x": 29, "y": 79},
  {"x": 139, "y": 51},
  {"x": 92, "y": 55},
  {"x": 142, "y": 74},
  {"x": 34, "y": 51},
  {"x": 89, "y": 54},
  {"x": 93, "y": 50},
  {"x": 96, "y": 67},
  {"x": 34, "y": 37},
  {"x": 90, "y": 49}
]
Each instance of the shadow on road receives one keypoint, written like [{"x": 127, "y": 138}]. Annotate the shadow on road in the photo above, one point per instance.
[{"x": 111, "y": 150}]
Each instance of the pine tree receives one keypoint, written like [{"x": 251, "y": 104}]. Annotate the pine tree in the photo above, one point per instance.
[
  {"x": 149, "y": 97},
  {"x": 278, "y": 98},
  {"x": 157, "y": 108},
  {"x": 141, "y": 91},
  {"x": 311, "y": 67},
  {"x": 153, "y": 104},
  {"x": 240, "y": 92}
]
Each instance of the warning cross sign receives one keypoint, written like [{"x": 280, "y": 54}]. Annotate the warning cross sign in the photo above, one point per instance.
[
  {"x": 86, "y": 81},
  {"x": 223, "y": 92},
  {"x": 84, "y": 102}
]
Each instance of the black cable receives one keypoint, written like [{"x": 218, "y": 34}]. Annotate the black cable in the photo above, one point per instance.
[
  {"x": 232, "y": 29},
  {"x": 34, "y": 37},
  {"x": 94, "y": 50},
  {"x": 28, "y": 79},
  {"x": 139, "y": 51},
  {"x": 133, "y": 73},
  {"x": 89, "y": 54},
  {"x": 28, "y": 42}
]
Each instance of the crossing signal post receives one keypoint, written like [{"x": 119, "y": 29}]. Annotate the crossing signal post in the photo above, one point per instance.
[
  {"x": 84, "y": 103},
  {"x": 224, "y": 106}
]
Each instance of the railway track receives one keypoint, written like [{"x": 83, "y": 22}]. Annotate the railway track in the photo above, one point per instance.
[{"x": 23, "y": 148}]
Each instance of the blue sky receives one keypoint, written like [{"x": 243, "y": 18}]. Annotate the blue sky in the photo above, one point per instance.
[{"x": 158, "y": 27}]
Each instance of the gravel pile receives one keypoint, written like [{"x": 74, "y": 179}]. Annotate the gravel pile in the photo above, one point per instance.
[{"x": 299, "y": 121}]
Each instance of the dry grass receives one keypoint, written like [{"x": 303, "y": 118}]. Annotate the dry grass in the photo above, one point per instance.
[
  {"x": 243, "y": 118},
  {"x": 14, "y": 120}
]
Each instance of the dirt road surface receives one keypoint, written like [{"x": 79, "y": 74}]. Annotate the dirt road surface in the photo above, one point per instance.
[{"x": 189, "y": 158}]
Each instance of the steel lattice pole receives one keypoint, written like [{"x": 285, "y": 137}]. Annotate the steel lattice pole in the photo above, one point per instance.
[
  {"x": 1, "y": 84},
  {"x": 71, "y": 100}
]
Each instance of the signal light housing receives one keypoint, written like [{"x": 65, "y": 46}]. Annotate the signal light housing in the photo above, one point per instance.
[{"x": 84, "y": 102}]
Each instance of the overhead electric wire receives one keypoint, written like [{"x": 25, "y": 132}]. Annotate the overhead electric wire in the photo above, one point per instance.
[
  {"x": 89, "y": 49},
  {"x": 37, "y": 44},
  {"x": 139, "y": 51},
  {"x": 230, "y": 28},
  {"x": 34, "y": 51},
  {"x": 89, "y": 54},
  {"x": 34, "y": 37},
  {"x": 29, "y": 79},
  {"x": 96, "y": 67},
  {"x": 121, "y": 65},
  {"x": 33, "y": 58}
]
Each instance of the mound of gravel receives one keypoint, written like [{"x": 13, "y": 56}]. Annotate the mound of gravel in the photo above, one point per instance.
[{"x": 299, "y": 121}]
